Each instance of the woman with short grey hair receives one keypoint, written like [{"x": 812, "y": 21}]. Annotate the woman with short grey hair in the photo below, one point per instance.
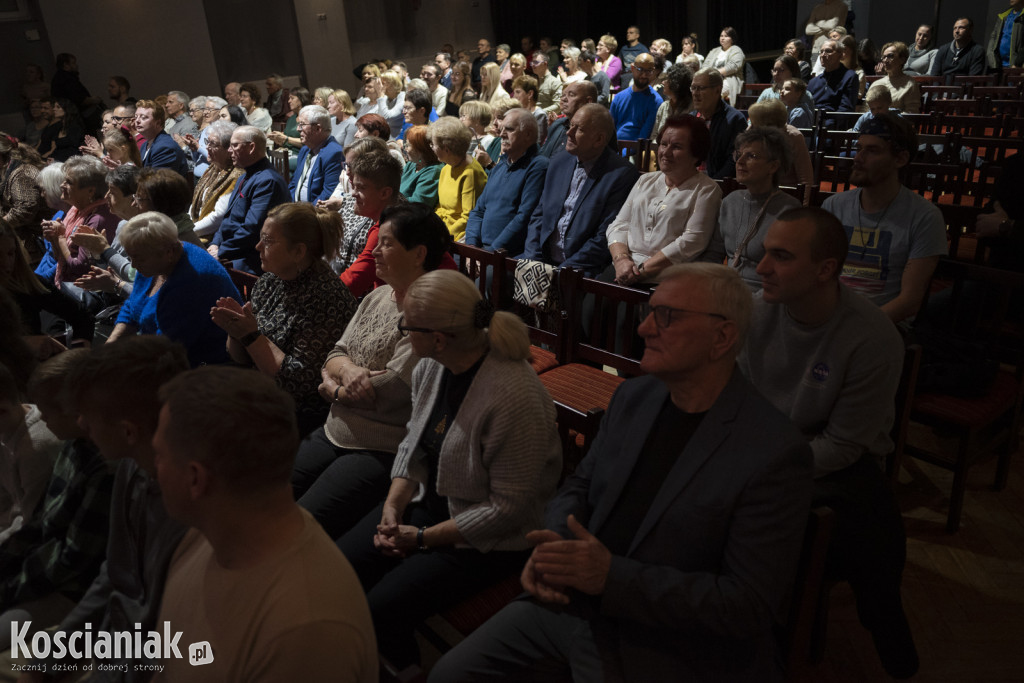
[{"x": 213, "y": 190}]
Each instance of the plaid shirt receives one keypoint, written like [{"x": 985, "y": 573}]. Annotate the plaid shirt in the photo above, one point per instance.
[{"x": 61, "y": 549}]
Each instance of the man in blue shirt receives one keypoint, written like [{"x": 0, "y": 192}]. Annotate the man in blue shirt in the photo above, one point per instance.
[
  {"x": 500, "y": 217},
  {"x": 260, "y": 189},
  {"x": 635, "y": 108}
]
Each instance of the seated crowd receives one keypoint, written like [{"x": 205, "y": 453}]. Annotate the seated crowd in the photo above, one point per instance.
[{"x": 306, "y": 432}]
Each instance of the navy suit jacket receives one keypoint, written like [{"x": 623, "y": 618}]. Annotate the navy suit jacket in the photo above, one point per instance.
[
  {"x": 324, "y": 175},
  {"x": 603, "y": 194},
  {"x": 714, "y": 557},
  {"x": 164, "y": 152},
  {"x": 257, "y": 191}
]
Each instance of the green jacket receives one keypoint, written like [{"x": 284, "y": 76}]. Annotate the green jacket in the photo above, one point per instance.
[{"x": 1016, "y": 42}]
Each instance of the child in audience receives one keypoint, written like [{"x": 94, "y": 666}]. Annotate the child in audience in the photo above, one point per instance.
[
  {"x": 791, "y": 94},
  {"x": 27, "y": 452},
  {"x": 879, "y": 100}
]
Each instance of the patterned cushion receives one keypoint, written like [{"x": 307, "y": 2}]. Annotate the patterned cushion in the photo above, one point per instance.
[
  {"x": 542, "y": 360},
  {"x": 581, "y": 387},
  {"x": 967, "y": 412}
]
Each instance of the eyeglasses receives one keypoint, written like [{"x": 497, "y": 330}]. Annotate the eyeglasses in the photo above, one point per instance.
[
  {"x": 304, "y": 125},
  {"x": 266, "y": 240},
  {"x": 888, "y": 57},
  {"x": 121, "y": 118},
  {"x": 749, "y": 156},
  {"x": 404, "y": 329},
  {"x": 663, "y": 315},
  {"x": 700, "y": 88},
  {"x": 642, "y": 70}
]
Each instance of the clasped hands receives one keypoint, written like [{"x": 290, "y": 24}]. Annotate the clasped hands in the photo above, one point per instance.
[
  {"x": 349, "y": 385},
  {"x": 557, "y": 564},
  {"x": 392, "y": 538}
]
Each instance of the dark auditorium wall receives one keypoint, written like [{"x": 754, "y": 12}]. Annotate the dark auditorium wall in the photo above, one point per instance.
[{"x": 18, "y": 52}]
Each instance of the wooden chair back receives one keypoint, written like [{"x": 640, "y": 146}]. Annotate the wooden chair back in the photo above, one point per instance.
[{"x": 279, "y": 160}]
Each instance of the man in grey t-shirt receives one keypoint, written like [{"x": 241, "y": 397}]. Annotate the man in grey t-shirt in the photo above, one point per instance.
[{"x": 896, "y": 237}]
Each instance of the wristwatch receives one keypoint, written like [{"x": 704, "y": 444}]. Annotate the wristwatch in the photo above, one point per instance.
[
  {"x": 248, "y": 339},
  {"x": 420, "y": 544}
]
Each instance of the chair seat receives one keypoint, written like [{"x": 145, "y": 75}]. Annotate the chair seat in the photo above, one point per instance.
[
  {"x": 581, "y": 387},
  {"x": 968, "y": 412},
  {"x": 542, "y": 360},
  {"x": 469, "y": 614}
]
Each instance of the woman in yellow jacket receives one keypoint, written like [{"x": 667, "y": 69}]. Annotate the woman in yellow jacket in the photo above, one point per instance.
[{"x": 462, "y": 178}]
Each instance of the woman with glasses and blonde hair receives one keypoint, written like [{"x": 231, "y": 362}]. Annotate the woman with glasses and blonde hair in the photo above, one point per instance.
[
  {"x": 906, "y": 93},
  {"x": 479, "y": 461}
]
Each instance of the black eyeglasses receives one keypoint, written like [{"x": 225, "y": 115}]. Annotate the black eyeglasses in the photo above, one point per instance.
[
  {"x": 406, "y": 329},
  {"x": 663, "y": 315}
]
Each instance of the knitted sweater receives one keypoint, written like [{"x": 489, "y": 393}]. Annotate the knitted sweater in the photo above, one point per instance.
[
  {"x": 372, "y": 341},
  {"x": 501, "y": 458}
]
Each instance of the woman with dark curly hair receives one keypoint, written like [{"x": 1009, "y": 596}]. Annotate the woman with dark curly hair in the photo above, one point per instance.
[{"x": 678, "y": 100}]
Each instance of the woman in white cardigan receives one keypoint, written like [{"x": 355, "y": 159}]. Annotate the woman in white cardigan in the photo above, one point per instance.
[
  {"x": 729, "y": 60},
  {"x": 479, "y": 462}
]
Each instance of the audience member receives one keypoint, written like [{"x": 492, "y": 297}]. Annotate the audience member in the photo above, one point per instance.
[
  {"x": 800, "y": 112},
  {"x": 431, "y": 75},
  {"x": 61, "y": 140},
  {"x": 119, "y": 148},
  {"x": 249, "y": 99},
  {"x": 772, "y": 114},
  {"x": 574, "y": 96},
  {"x": 66, "y": 85},
  {"x": 679, "y": 597},
  {"x": 21, "y": 204},
  {"x": 490, "y": 83},
  {"x": 720, "y": 118},
  {"x": 849, "y": 59},
  {"x": 49, "y": 182},
  {"x": 962, "y": 56},
  {"x": 525, "y": 91},
  {"x": 443, "y": 61},
  {"x": 248, "y": 539},
  {"x": 232, "y": 93},
  {"x": 669, "y": 216},
  {"x": 119, "y": 275},
  {"x": 602, "y": 85},
  {"x": 290, "y": 137},
  {"x": 168, "y": 193},
  {"x": 462, "y": 178},
  {"x": 356, "y": 226},
  {"x": 486, "y": 426},
  {"x": 158, "y": 149},
  {"x": 568, "y": 226},
  {"x": 421, "y": 173},
  {"x": 476, "y": 116},
  {"x": 319, "y": 164},
  {"x": 277, "y": 97},
  {"x": 39, "y": 115},
  {"x": 879, "y": 101},
  {"x": 178, "y": 119},
  {"x": 836, "y": 89},
  {"x": 824, "y": 17},
  {"x": 343, "y": 117},
  {"x": 835, "y": 361},
  {"x": 176, "y": 285},
  {"x": 260, "y": 189},
  {"x": 896, "y": 237},
  {"x": 516, "y": 67},
  {"x": 795, "y": 48},
  {"x": 678, "y": 99},
  {"x": 609, "y": 64},
  {"x": 729, "y": 59},
  {"x": 921, "y": 53},
  {"x": 484, "y": 56},
  {"x": 501, "y": 214},
  {"x": 460, "y": 90},
  {"x": 298, "y": 307},
  {"x": 634, "y": 109},
  {"x": 212, "y": 196},
  {"x": 416, "y": 110},
  {"x": 629, "y": 53},
  {"x": 690, "y": 48},
  {"x": 48, "y": 564},
  {"x": 549, "y": 86},
  {"x": 1006, "y": 44},
  {"x": 341, "y": 471},
  {"x": 762, "y": 157}
]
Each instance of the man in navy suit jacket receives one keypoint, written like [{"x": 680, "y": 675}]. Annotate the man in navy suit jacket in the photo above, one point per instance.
[
  {"x": 260, "y": 189},
  {"x": 159, "y": 150},
  {"x": 670, "y": 552},
  {"x": 584, "y": 189},
  {"x": 319, "y": 164}
]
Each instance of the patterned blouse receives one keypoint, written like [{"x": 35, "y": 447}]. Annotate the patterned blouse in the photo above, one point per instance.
[
  {"x": 304, "y": 317},
  {"x": 354, "y": 238}
]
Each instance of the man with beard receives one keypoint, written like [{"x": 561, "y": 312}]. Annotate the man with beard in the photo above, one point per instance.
[
  {"x": 634, "y": 109},
  {"x": 896, "y": 236}
]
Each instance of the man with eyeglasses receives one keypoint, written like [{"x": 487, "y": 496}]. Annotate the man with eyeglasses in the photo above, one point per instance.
[
  {"x": 722, "y": 119},
  {"x": 837, "y": 89},
  {"x": 831, "y": 360},
  {"x": 635, "y": 108},
  {"x": 258, "y": 190},
  {"x": 318, "y": 167},
  {"x": 669, "y": 553},
  {"x": 896, "y": 237}
]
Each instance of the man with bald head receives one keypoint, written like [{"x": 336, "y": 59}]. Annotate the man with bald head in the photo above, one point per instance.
[
  {"x": 635, "y": 108},
  {"x": 501, "y": 215},
  {"x": 574, "y": 96},
  {"x": 258, "y": 190},
  {"x": 232, "y": 91},
  {"x": 583, "y": 192}
]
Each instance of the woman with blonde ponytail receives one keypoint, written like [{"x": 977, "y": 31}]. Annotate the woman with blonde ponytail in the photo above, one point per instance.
[
  {"x": 298, "y": 307},
  {"x": 481, "y": 457}
]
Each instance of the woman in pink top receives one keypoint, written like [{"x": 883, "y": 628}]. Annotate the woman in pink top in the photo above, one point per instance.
[{"x": 607, "y": 61}]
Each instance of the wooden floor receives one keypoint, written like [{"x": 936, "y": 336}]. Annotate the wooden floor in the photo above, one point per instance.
[{"x": 963, "y": 593}]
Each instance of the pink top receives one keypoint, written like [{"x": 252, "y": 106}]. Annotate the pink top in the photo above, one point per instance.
[{"x": 612, "y": 67}]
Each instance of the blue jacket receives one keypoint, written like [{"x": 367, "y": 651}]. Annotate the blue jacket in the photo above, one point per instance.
[
  {"x": 323, "y": 176},
  {"x": 501, "y": 214},
  {"x": 164, "y": 152},
  {"x": 260, "y": 189},
  {"x": 180, "y": 310},
  {"x": 604, "y": 192}
]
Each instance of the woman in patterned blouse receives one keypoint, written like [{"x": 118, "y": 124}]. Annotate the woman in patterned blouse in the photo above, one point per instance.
[{"x": 299, "y": 308}]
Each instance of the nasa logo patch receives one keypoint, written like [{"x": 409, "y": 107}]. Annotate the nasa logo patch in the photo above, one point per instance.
[{"x": 820, "y": 372}]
